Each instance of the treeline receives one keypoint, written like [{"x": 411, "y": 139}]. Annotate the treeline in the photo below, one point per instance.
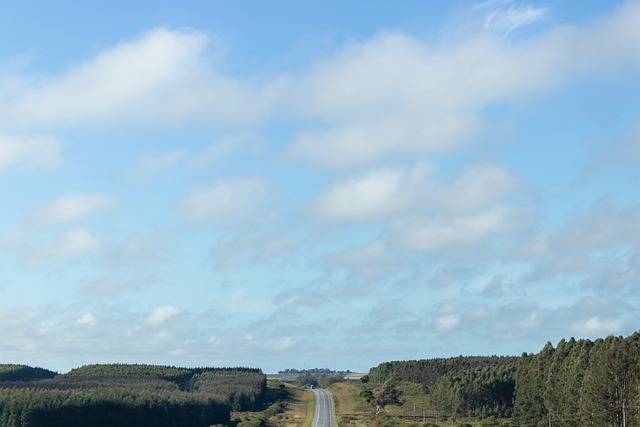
[
  {"x": 577, "y": 383},
  {"x": 23, "y": 373},
  {"x": 128, "y": 395},
  {"x": 308, "y": 371},
  {"x": 474, "y": 386},
  {"x": 580, "y": 383},
  {"x": 244, "y": 390},
  {"x": 108, "y": 407},
  {"x": 427, "y": 371}
]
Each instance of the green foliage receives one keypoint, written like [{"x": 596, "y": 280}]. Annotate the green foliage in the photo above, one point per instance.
[
  {"x": 475, "y": 392},
  {"x": 459, "y": 386},
  {"x": 427, "y": 372},
  {"x": 129, "y": 395},
  {"x": 244, "y": 388},
  {"x": 106, "y": 406},
  {"x": 307, "y": 380},
  {"x": 255, "y": 419},
  {"x": 577, "y": 383},
  {"x": 580, "y": 383},
  {"x": 367, "y": 395},
  {"x": 322, "y": 371},
  {"x": 388, "y": 395},
  {"x": 322, "y": 380},
  {"x": 23, "y": 373}
]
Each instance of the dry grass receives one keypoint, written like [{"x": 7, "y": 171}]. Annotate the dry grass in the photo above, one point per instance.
[
  {"x": 351, "y": 409},
  {"x": 295, "y": 413}
]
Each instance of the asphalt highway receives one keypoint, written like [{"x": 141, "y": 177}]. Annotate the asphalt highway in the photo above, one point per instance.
[{"x": 324, "y": 409}]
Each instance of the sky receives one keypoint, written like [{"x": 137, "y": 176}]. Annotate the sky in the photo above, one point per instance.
[{"x": 330, "y": 184}]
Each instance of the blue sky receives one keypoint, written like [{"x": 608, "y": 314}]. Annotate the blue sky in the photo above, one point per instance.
[{"x": 339, "y": 184}]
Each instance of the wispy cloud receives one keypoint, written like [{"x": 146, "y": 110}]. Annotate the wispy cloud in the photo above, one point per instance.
[
  {"x": 70, "y": 208},
  {"x": 294, "y": 201},
  {"x": 72, "y": 243},
  {"x": 225, "y": 201},
  {"x": 29, "y": 152},
  {"x": 161, "y": 314},
  {"x": 504, "y": 17}
]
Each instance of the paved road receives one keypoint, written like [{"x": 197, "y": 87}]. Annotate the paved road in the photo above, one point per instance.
[{"x": 324, "y": 409}]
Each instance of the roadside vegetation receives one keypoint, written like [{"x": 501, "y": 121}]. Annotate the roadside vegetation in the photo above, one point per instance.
[
  {"x": 576, "y": 383},
  {"x": 285, "y": 406}
]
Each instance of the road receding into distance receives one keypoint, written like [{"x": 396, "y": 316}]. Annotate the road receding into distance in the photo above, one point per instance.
[{"x": 324, "y": 409}]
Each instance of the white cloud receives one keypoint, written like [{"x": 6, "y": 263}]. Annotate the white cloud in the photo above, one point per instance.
[
  {"x": 384, "y": 193},
  {"x": 596, "y": 248},
  {"x": 75, "y": 242},
  {"x": 28, "y": 152},
  {"x": 139, "y": 252},
  {"x": 247, "y": 143},
  {"x": 476, "y": 188},
  {"x": 596, "y": 326},
  {"x": 602, "y": 226},
  {"x": 391, "y": 95},
  {"x": 282, "y": 344},
  {"x": 120, "y": 81},
  {"x": 70, "y": 208},
  {"x": 224, "y": 201},
  {"x": 447, "y": 323},
  {"x": 607, "y": 44},
  {"x": 86, "y": 319},
  {"x": 373, "y": 261},
  {"x": 367, "y": 140},
  {"x": 164, "y": 76},
  {"x": 161, "y": 314},
  {"x": 153, "y": 164},
  {"x": 505, "y": 20},
  {"x": 376, "y": 104},
  {"x": 394, "y": 94},
  {"x": 376, "y": 194},
  {"x": 199, "y": 160},
  {"x": 12, "y": 239},
  {"x": 422, "y": 234},
  {"x": 615, "y": 272}
]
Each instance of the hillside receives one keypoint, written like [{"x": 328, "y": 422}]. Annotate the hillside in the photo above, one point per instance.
[
  {"x": 576, "y": 383},
  {"x": 127, "y": 395}
]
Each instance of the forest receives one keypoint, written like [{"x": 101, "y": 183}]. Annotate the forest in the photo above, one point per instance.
[
  {"x": 576, "y": 383},
  {"x": 127, "y": 395}
]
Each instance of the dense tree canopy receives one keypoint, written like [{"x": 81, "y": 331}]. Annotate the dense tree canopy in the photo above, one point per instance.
[
  {"x": 128, "y": 395},
  {"x": 581, "y": 383},
  {"x": 577, "y": 383},
  {"x": 23, "y": 373}
]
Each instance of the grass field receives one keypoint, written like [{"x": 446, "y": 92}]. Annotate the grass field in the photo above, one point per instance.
[
  {"x": 296, "y": 412},
  {"x": 351, "y": 409}
]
